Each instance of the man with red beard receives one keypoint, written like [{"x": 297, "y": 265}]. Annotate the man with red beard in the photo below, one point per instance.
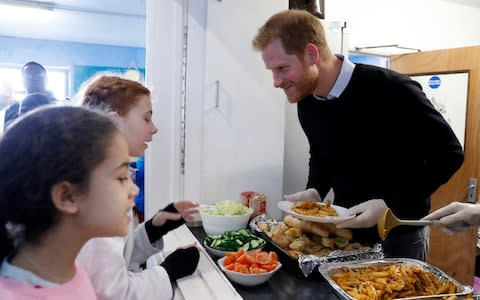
[{"x": 374, "y": 137}]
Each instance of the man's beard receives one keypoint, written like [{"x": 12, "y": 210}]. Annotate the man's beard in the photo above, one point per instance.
[{"x": 303, "y": 87}]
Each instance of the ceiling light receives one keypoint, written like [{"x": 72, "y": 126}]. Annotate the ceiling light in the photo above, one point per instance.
[
  {"x": 13, "y": 11},
  {"x": 386, "y": 50}
]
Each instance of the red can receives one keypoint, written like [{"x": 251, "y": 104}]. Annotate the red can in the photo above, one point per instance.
[{"x": 257, "y": 201}]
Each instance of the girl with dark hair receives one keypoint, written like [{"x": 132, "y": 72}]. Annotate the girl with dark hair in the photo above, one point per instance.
[
  {"x": 70, "y": 183},
  {"x": 114, "y": 264}
]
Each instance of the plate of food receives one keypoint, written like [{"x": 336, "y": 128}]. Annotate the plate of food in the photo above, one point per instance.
[
  {"x": 315, "y": 211},
  {"x": 402, "y": 278}
]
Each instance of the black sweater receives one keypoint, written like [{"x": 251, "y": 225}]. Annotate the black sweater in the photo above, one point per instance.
[{"x": 381, "y": 138}]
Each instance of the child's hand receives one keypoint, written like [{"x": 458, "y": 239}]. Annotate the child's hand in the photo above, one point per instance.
[
  {"x": 187, "y": 209},
  {"x": 169, "y": 218},
  {"x": 163, "y": 216}
]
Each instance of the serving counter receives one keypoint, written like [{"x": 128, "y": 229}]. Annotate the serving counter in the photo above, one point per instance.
[{"x": 208, "y": 282}]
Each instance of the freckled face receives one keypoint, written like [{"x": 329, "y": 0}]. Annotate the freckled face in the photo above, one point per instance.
[
  {"x": 137, "y": 126},
  {"x": 289, "y": 72}
]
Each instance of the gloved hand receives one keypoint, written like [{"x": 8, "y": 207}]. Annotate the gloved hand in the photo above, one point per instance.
[
  {"x": 303, "y": 195},
  {"x": 181, "y": 262},
  {"x": 456, "y": 216},
  {"x": 367, "y": 214}
]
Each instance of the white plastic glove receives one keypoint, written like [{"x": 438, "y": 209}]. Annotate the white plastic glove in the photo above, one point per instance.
[
  {"x": 456, "y": 216},
  {"x": 303, "y": 195},
  {"x": 367, "y": 214}
]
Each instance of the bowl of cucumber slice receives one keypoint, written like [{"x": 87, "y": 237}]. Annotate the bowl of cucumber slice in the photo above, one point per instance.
[{"x": 232, "y": 241}]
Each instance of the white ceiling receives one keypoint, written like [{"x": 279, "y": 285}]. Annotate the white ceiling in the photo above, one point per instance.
[{"x": 110, "y": 22}]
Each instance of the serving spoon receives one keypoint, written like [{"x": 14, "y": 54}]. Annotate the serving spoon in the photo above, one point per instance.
[{"x": 388, "y": 220}]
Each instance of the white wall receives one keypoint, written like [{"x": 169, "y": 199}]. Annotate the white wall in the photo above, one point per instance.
[
  {"x": 235, "y": 147},
  {"x": 235, "y": 118},
  {"x": 162, "y": 159},
  {"x": 422, "y": 24}
]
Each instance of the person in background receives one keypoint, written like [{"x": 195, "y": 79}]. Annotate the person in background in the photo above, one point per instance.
[
  {"x": 49, "y": 208},
  {"x": 456, "y": 216},
  {"x": 114, "y": 265},
  {"x": 374, "y": 136},
  {"x": 29, "y": 103},
  {"x": 33, "y": 101},
  {"x": 34, "y": 77}
]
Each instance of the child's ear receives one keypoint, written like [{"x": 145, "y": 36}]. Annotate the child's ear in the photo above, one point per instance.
[{"x": 63, "y": 197}]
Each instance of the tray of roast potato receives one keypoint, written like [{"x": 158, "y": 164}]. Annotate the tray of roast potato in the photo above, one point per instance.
[{"x": 305, "y": 245}]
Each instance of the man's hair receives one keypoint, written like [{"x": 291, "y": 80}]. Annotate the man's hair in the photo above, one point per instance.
[
  {"x": 295, "y": 29},
  {"x": 33, "y": 63}
]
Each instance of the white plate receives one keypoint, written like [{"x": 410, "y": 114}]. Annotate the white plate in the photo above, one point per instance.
[{"x": 343, "y": 214}]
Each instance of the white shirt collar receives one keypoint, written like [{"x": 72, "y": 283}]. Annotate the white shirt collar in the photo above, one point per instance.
[
  {"x": 24, "y": 276},
  {"x": 342, "y": 81}
]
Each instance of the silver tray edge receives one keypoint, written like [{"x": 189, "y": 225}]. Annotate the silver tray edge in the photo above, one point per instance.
[{"x": 326, "y": 270}]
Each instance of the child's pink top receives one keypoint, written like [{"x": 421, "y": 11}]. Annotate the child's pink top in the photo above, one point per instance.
[{"x": 78, "y": 288}]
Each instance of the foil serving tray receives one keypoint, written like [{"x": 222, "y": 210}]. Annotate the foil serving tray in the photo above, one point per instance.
[
  {"x": 305, "y": 265},
  {"x": 328, "y": 269}
]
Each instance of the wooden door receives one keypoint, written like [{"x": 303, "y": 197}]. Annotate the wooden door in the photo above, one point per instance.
[{"x": 453, "y": 254}]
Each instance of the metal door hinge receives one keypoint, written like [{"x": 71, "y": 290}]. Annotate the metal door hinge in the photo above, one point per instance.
[{"x": 472, "y": 190}]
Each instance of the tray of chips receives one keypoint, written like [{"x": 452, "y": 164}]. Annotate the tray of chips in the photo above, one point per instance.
[
  {"x": 392, "y": 278},
  {"x": 303, "y": 246}
]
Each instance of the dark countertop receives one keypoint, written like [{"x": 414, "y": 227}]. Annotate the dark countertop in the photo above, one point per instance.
[{"x": 283, "y": 285}]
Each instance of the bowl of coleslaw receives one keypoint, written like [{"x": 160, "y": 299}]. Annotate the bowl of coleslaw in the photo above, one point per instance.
[{"x": 224, "y": 216}]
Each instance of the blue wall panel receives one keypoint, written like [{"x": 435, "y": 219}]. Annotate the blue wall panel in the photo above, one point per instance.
[
  {"x": 84, "y": 60},
  {"x": 57, "y": 53}
]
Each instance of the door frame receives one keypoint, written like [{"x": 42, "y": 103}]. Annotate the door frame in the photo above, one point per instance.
[{"x": 454, "y": 254}]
